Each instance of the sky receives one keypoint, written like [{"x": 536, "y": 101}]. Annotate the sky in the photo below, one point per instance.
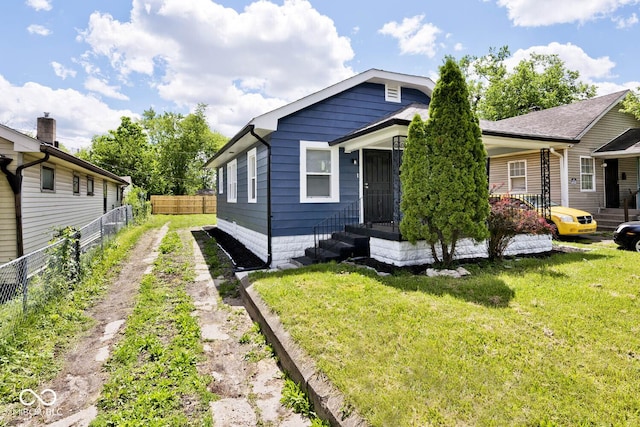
[{"x": 90, "y": 62}]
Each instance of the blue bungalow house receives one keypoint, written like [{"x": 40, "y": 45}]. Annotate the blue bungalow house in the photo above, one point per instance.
[
  {"x": 308, "y": 178},
  {"x": 280, "y": 178}
]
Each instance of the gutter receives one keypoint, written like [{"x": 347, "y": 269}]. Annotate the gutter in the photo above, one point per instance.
[
  {"x": 564, "y": 177},
  {"x": 267, "y": 263},
  {"x": 15, "y": 181}
]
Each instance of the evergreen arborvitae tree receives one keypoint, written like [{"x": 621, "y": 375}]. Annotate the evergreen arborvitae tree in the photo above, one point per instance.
[{"x": 444, "y": 180}]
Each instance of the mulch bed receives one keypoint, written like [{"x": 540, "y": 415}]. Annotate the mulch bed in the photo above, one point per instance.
[{"x": 241, "y": 257}]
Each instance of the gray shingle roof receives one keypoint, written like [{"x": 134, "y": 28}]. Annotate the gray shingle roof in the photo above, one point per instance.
[{"x": 564, "y": 122}]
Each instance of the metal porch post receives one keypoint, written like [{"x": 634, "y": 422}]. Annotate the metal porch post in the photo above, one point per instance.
[{"x": 545, "y": 180}]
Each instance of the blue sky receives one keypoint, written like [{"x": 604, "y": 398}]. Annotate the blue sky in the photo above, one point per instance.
[{"x": 89, "y": 62}]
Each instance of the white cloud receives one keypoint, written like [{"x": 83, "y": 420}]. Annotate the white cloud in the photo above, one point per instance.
[
  {"x": 622, "y": 23},
  {"x": 79, "y": 117},
  {"x": 39, "y": 4},
  {"x": 38, "y": 29},
  {"x": 458, "y": 47},
  {"x": 574, "y": 57},
  {"x": 102, "y": 87},
  {"x": 414, "y": 37},
  {"x": 535, "y": 13},
  {"x": 62, "y": 71},
  {"x": 200, "y": 51}
]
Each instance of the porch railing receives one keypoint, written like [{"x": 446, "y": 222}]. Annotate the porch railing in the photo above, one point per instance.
[{"x": 350, "y": 215}]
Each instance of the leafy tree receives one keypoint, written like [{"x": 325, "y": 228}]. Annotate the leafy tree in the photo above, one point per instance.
[
  {"x": 631, "y": 103},
  {"x": 540, "y": 82},
  {"x": 124, "y": 151},
  {"x": 444, "y": 180},
  {"x": 184, "y": 144}
]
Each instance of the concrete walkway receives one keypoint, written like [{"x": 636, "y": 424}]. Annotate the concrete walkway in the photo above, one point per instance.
[{"x": 250, "y": 390}]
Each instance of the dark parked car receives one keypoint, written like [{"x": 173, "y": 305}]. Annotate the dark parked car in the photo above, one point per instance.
[{"x": 628, "y": 235}]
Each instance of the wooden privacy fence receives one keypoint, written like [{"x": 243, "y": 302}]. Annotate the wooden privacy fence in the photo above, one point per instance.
[{"x": 181, "y": 205}]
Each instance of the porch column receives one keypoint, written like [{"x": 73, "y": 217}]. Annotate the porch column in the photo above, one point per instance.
[
  {"x": 545, "y": 182},
  {"x": 396, "y": 159}
]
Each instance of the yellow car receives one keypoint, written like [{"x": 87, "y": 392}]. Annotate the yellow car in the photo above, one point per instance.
[{"x": 567, "y": 221}]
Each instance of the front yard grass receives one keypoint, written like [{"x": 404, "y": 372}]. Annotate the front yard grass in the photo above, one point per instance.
[{"x": 552, "y": 341}]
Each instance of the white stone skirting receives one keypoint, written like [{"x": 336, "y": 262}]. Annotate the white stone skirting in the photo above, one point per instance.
[
  {"x": 254, "y": 241},
  {"x": 388, "y": 251},
  {"x": 405, "y": 253},
  {"x": 283, "y": 248}
]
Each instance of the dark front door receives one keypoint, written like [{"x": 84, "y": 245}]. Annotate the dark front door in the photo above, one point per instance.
[
  {"x": 612, "y": 191},
  {"x": 378, "y": 186}
]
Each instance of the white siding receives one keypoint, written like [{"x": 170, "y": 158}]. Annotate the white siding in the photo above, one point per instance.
[
  {"x": 607, "y": 128},
  {"x": 7, "y": 211},
  {"x": 43, "y": 212},
  {"x": 499, "y": 174}
]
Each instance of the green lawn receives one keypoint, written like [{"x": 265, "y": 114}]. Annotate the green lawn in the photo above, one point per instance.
[{"x": 552, "y": 341}]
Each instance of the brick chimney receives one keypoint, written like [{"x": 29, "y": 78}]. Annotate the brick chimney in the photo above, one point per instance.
[{"x": 47, "y": 130}]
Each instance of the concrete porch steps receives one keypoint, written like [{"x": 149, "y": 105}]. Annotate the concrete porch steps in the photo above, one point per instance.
[
  {"x": 609, "y": 218},
  {"x": 340, "y": 246}
]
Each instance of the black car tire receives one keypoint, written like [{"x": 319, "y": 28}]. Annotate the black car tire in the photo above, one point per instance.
[{"x": 635, "y": 245}]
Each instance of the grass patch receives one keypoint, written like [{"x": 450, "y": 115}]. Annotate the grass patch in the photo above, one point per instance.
[
  {"x": 178, "y": 222},
  {"x": 297, "y": 400},
  {"x": 552, "y": 341},
  {"x": 30, "y": 352},
  {"x": 153, "y": 374}
]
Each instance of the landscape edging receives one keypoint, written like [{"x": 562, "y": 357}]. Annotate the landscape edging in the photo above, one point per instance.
[{"x": 327, "y": 400}]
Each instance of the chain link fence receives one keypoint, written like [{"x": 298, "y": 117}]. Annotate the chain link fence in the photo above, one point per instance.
[{"x": 31, "y": 280}]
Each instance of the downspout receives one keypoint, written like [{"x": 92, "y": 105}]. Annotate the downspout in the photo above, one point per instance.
[
  {"x": 267, "y": 264},
  {"x": 564, "y": 179},
  {"x": 15, "y": 181}
]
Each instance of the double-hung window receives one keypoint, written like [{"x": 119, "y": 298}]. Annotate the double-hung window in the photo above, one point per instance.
[
  {"x": 587, "y": 175},
  {"x": 252, "y": 176},
  {"x": 319, "y": 172},
  {"x": 76, "y": 185},
  {"x": 517, "y": 176},
  {"x": 90, "y": 186},
  {"x": 220, "y": 180},
  {"x": 232, "y": 181},
  {"x": 48, "y": 178}
]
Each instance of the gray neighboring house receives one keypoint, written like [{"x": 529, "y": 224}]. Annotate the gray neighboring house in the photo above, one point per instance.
[{"x": 46, "y": 188}]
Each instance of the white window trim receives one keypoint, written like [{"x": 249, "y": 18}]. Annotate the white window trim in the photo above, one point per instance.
[
  {"x": 334, "y": 177},
  {"x": 593, "y": 175},
  {"x": 526, "y": 180},
  {"x": 232, "y": 181},
  {"x": 252, "y": 174},
  {"x": 220, "y": 180},
  {"x": 47, "y": 190}
]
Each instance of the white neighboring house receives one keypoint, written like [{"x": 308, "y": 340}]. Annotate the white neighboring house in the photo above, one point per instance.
[{"x": 43, "y": 188}]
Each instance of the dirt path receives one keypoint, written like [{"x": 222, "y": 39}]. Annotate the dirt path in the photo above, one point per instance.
[
  {"x": 245, "y": 377},
  {"x": 79, "y": 384}
]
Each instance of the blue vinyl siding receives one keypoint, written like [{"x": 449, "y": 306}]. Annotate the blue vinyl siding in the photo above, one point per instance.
[
  {"x": 324, "y": 121},
  {"x": 249, "y": 215}
]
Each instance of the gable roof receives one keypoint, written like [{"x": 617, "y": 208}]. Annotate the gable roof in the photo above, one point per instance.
[
  {"x": 539, "y": 129},
  {"x": 566, "y": 122},
  {"x": 27, "y": 144},
  {"x": 268, "y": 122},
  {"x": 401, "y": 117}
]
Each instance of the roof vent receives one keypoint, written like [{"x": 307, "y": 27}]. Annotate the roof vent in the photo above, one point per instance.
[{"x": 392, "y": 92}]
